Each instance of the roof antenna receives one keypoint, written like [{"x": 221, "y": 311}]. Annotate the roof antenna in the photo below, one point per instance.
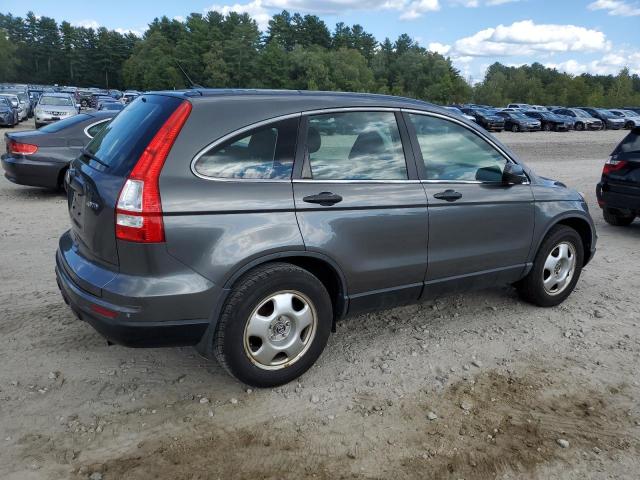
[{"x": 192, "y": 85}]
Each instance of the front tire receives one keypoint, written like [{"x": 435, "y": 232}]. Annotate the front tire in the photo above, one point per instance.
[
  {"x": 274, "y": 325},
  {"x": 556, "y": 268},
  {"x": 617, "y": 219},
  {"x": 546, "y": 127},
  {"x": 579, "y": 127},
  {"x": 515, "y": 128}
]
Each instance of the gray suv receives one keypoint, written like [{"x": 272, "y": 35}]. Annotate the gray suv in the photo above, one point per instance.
[{"x": 247, "y": 222}]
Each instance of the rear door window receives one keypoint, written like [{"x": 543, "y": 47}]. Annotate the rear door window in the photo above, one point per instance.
[
  {"x": 355, "y": 146},
  {"x": 264, "y": 152},
  {"x": 121, "y": 142}
]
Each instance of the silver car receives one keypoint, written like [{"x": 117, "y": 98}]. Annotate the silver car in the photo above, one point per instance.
[
  {"x": 15, "y": 102},
  {"x": 631, "y": 118},
  {"x": 53, "y": 107}
]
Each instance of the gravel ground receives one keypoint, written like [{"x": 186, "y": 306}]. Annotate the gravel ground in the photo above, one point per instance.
[{"x": 472, "y": 386}]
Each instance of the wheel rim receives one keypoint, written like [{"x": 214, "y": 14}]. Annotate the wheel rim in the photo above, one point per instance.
[
  {"x": 559, "y": 268},
  {"x": 280, "y": 330}
]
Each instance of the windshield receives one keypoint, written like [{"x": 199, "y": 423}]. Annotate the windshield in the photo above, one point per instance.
[
  {"x": 4, "y": 103},
  {"x": 581, "y": 113},
  {"x": 56, "y": 101},
  {"x": 483, "y": 111},
  {"x": 520, "y": 116},
  {"x": 605, "y": 113}
]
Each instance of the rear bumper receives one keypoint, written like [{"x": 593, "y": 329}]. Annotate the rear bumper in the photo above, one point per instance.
[
  {"x": 139, "y": 319},
  {"x": 620, "y": 201},
  {"x": 36, "y": 173}
]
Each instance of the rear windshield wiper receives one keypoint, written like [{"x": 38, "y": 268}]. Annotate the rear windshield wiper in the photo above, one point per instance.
[{"x": 93, "y": 157}]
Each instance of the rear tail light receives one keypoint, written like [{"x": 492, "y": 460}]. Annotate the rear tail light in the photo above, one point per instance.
[
  {"x": 21, "y": 148},
  {"x": 613, "y": 165},
  {"x": 139, "y": 209}
]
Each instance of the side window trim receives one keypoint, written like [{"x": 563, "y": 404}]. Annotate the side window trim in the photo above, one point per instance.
[
  {"x": 418, "y": 152},
  {"x": 302, "y": 166},
  {"x": 90, "y": 126},
  {"x": 237, "y": 133}
]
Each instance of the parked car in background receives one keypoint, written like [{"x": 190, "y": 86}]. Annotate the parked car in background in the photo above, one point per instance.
[
  {"x": 631, "y": 118},
  {"x": 102, "y": 101},
  {"x": 84, "y": 98},
  {"x": 235, "y": 220},
  {"x": 539, "y": 108},
  {"x": 111, "y": 106},
  {"x": 609, "y": 120},
  {"x": 582, "y": 120},
  {"x": 98, "y": 98},
  {"x": 521, "y": 106},
  {"x": 15, "y": 102},
  {"x": 23, "y": 100},
  {"x": 8, "y": 113},
  {"x": 485, "y": 118},
  {"x": 53, "y": 107},
  {"x": 618, "y": 192},
  {"x": 549, "y": 121},
  {"x": 40, "y": 157},
  {"x": 129, "y": 96},
  {"x": 519, "y": 122},
  {"x": 633, "y": 109},
  {"x": 457, "y": 111}
]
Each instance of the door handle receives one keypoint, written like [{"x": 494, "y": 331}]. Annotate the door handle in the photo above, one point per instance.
[
  {"x": 448, "y": 195},
  {"x": 326, "y": 199}
]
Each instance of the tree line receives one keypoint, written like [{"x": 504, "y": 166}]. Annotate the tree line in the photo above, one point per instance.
[{"x": 295, "y": 52}]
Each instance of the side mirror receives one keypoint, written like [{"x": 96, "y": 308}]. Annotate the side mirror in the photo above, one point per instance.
[
  {"x": 513, "y": 174},
  {"x": 491, "y": 174}
]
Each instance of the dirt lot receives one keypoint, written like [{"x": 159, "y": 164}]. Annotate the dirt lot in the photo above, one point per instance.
[{"x": 474, "y": 386}]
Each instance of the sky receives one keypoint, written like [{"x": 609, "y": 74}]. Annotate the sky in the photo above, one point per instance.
[{"x": 595, "y": 36}]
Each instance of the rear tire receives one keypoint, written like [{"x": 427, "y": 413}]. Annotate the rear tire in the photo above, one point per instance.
[
  {"x": 274, "y": 325},
  {"x": 515, "y": 128},
  {"x": 617, "y": 219},
  {"x": 546, "y": 127},
  {"x": 556, "y": 268}
]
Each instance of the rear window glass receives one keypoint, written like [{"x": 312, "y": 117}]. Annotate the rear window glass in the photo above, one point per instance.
[
  {"x": 119, "y": 145},
  {"x": 65, "y": 123},
  {"x": 631, "y": 143}
]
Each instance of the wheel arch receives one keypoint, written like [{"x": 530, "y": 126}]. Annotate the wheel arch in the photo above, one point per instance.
[{"x": 581, "y": 225}]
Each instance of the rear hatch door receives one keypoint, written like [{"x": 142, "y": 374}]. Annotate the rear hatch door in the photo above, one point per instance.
[
  {"x": 626, "y": 180},
  {"x": 96, "y": 177}
]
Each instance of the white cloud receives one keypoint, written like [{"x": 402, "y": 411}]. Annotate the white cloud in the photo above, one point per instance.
[
  {"x": 138, "y": 32},
  {"x": 87, "y": 24},
  {"x": 257, "y": 9},
  {"x": 477, "y": 3},
  {"x": 527, "y": 38},
  {"x": 417, "y": 8},
  {"x": 616, "y": 7},
  {"x": 179, "y": 18},
  {"x": 261, "y": 10},
  {"x": 609, "y": 64},
  {"x": 440, "y": 48}
]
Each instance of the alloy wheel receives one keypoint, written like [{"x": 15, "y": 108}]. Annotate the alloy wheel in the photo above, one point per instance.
[
  {"x": 559, "y": 268},
  {"x": 280, "y": 330}
]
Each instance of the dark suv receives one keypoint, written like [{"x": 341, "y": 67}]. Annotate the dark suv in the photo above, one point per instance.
[
  {"x": 248, "y": 222},
  {"x": 619, "y": 189}
]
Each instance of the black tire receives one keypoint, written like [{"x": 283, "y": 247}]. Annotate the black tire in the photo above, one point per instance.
[
  {"x": 629, "y": 125},
  {"x": 84, "y": 103},
  {"x": 515, "y": 128},
  {"x": 546, "y": 127},
  {"x": 38, "y": 125},
  {"x": 616, "y": 218},
  {"x": 531, "y": 288},
  {"x": 228, "y": 343},
  {"x": 579, "y": 127}
]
